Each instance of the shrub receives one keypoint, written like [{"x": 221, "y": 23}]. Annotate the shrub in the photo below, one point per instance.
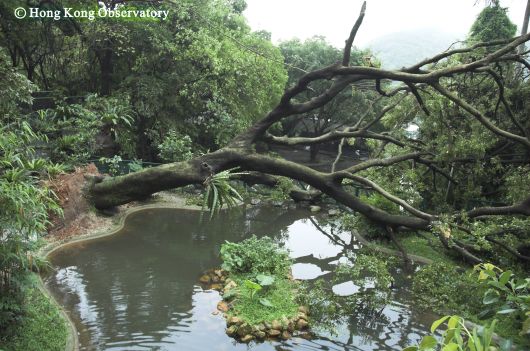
[
  {"x": 442, "y": 288},
  {"x": 255, "y": 256},
  {"x": 175, "y": 147}
]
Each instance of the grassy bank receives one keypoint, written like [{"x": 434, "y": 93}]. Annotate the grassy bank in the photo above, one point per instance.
[{"x": 42, "y": 327}]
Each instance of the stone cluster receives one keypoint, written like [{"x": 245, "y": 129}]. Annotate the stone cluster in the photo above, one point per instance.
[
  {"x": 237, "y": 328},
  {"x": 277, "y": 329}
]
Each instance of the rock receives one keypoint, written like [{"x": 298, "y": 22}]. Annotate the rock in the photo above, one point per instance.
[
  {"x": 215, "y": 313},
  {"x": 261, "y": 327},
  {"x": 302, "y": 315},
  {"x": 244, "y": 329},
  {"x": 301, "y": 324},
  {"x": 333, "y": 212},
  {"x": 205, "y": 279},
  {"x": 231, "y": 331},
  {"x": 303, "y": 309},
  {"x": 261, "y": 335},
  {"x": 234, "y": 321},
  {"x": 277, "y": 203},
  {"x": 314, "y": 208},
  {"x": 217, "y": 287},
  {"x": 276, "y": 325},
  {"x": 255, "y": 201},
  {"x": 286, "y": 335},
  {"x": 229, "y": 286},
  {"x": 218, "y": 273},
  {"x": 273, "y": 333},
  {"x": 305, "y": 335},
  {"x": 247, "y": 338},
  {"x": 223, "y": 306}
]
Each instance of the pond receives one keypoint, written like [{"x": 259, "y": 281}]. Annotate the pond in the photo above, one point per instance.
[{"x": 139, "y": 290}]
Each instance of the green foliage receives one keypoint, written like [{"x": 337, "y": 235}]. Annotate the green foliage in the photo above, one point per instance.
[
  {"x": 506, "y": 295},
  {"x": 328, "y": 310},
  {"x": 135, "y": 165},
  {"x": 175, "y": 147},
  {"x": 457, "y": 337},
  {"x": 282, "y": 189},
  {"x": 113, "y": 164},
  {"x": 491, "y": 24},
  {"x": 25, "y": 209},
  {"x": 274, "y": 303},
  {"x": 219, "y": 192},
  {"x": 442, "y": 288},
  {"x": 260, "y": 268},
  {"x": 255, "y": 258},
  {"x": 42, "y": 328},
  {"x": 15, "y": 89},
  {"x": 517, "y": 183}
]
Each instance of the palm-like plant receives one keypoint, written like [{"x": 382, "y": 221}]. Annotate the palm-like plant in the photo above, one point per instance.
[{"x": 219, "y": 192}]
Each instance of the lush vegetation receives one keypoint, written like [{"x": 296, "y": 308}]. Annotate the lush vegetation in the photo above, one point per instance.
[
  {"x": 263, "y": 291},
  {"x": 42, "y": 327},
  {"x": 434, "y": 163}
]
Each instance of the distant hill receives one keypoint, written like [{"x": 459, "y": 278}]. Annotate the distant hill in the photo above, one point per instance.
[{"x": 401, "y": 49}]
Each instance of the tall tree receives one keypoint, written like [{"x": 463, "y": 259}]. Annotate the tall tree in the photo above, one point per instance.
[{"x": 428, "y": 76}]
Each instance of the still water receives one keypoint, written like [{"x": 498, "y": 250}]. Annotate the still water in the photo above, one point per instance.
[{"x": 138, "y": 289}]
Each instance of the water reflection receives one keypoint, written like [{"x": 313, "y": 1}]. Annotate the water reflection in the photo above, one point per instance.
[{"x": 138, "y": 289}]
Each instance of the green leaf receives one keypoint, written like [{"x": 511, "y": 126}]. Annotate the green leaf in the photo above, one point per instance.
[
  {"x": 491, "y": 296},
  {"x": 265, "y": 302},
  {"x": 265, "y": 280},
  {"x": 505, "y": 277},
  {"x": 453, "y": 322},
  {"x": 450, "y": 347},
  {"x": 485, "y": 314},
  {"x": 252, "y": 285},
  {"x": 437, "y": 323},
  {"x": 428, "y": 342}
]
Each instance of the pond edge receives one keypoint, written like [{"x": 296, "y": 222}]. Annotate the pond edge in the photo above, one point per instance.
[{"x": 72, "y": 340}]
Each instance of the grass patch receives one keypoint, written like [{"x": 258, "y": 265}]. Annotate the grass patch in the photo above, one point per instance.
[
  {"x": 42, "y": 327},
  {"x": 421, "y": 246},
  {"x": 281, "y": 296}
]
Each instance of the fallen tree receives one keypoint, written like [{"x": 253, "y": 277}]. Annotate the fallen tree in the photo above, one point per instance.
[{"x": 430, "y": 76}]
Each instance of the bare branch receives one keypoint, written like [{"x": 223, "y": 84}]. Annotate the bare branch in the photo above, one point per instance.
[
  {"x": 377, "y": 162},
  {"x": 349, "y": 41},
  {"x": 392, "y": 198}
]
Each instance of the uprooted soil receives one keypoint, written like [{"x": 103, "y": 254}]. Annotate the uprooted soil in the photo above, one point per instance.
[{"x": 78, "y": 217}]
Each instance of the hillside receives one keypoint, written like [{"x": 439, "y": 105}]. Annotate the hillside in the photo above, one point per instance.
[{"x": 404, "y": 48}]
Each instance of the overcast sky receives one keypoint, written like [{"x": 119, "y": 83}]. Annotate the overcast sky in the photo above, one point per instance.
[{"x": 286, "y": 19}]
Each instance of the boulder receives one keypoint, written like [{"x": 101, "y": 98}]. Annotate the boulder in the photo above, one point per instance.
[
  {"x": 301, "y": 324},
  {"x": 205, "y": 279},
  {"x": 247, "y": 338},
  {"x": 286, "y": 335},
  {"x": 273, "y": 333},
  {"x": 314, "y": 208},
  {"x": 231, "y": 330},
  {"x": 223, "y": 306},
  {"x": 244, "y": 329}
]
